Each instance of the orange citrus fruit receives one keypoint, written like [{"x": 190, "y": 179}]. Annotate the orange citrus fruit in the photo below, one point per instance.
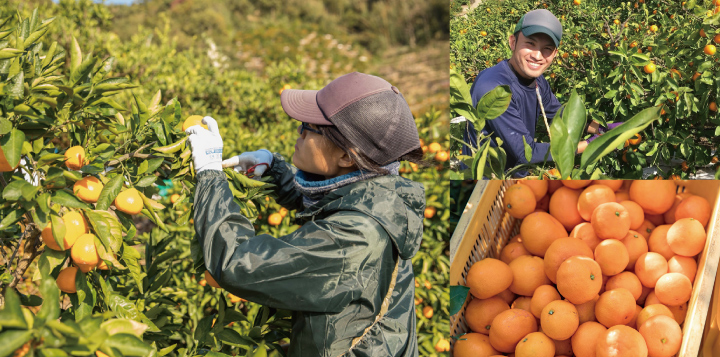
[
  {"x": 488, "y": 278},
  {"x": 563, "y": 206},
  {"x": 275, "y": 219},
  {"x": 528, "y": 274},
  {"x": 519, "y": 201},
  {"x": 560, "y": 250},
  {"x": 75, "y": 158},
  {"x": 473, "y": 344},
  {"x": 655, "y": 197},
  {"x": 662, "y": 335},
  {"x": 539, "y": 230},
  {"x": 429, "y": 212},
  {"x": 610, "y": 220},
  {"x": 694, "y": 207},
  {"x": 174, "y": 198},
  {"x": 650, "y": 267},
  {"x": 479, "y": 313},
  {"x": 621, "y": 341},
  {"x": 193, "y": 120},
  {"x": 615, "y": 307},
  {"x": 579, "y": 279},
  {"x": 535, "y": 344},
  {"x": 66, "y": 279},
  {"x": 586, "y": 337},
  {"x": 673, "y": 289},
  {"x": 129, "y": 201},
  {"x": 559, "y": 320},
  {"x": 709, "y": 50},
  {"x": 84, "y": 253},
  {"x": 509, "y": 327},
  {"x": 88, "y": 189},
  {"x": 649, "y": 68},
  {"x": 686, "y": 237}
]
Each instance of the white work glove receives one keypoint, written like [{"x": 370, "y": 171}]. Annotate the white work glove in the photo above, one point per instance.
[
  {"x": 250, "y": 159},
  {"x": 206, "y": 145}
]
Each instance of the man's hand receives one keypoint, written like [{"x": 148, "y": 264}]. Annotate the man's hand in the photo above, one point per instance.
[
  {"x": 206, "y": 145},
  {"x": 258, "y": 161}
]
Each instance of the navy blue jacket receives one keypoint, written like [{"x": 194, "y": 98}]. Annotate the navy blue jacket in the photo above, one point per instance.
[{"x": 520, "y": 118}]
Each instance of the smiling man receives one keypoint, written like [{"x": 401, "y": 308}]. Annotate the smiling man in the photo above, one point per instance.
[{"x": 534, "y": 45}]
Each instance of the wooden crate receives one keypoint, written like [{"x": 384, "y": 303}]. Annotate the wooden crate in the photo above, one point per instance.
[{"x": 486, "y": 228}]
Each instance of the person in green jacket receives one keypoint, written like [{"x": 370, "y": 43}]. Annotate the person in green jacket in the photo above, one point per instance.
[{"x": 346, "y": 272}]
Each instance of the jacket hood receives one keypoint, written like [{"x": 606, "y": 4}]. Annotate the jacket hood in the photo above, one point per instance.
[{"x": 396, "y": 203}]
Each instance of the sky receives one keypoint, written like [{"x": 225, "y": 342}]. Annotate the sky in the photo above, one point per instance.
[{"x": 112, "y": 2}]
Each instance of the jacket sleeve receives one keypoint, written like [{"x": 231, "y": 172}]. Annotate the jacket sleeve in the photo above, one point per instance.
[
  {"x": 283, "y": 175},
  {"x": 316, "y": 268}
]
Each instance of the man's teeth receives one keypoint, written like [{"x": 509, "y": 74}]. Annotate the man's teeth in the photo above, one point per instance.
[{"x": 533, "y": 65}]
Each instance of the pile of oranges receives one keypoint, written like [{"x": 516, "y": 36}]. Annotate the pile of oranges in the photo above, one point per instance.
[{"x": 600, "y": 268}]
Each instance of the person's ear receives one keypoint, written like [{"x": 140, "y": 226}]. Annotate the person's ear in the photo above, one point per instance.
[
  {"x": 345, "y": 160},
  {"x": 511, "y": 41}
]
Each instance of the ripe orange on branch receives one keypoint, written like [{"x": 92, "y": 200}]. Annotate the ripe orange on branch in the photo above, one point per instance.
[
  {"x": 649, "y": 68},
  {"x": 275, "y": 219},
  {"x": 84, "y": 253},
  {"x": 88, "y": 189},
  {"x": 709, "y": 50},
  {"x": 75, "y": 158},
  {"x": 129, "y": 201},
  {"x": 66, "y": 280},
  {"x": 75, "y": 226}
]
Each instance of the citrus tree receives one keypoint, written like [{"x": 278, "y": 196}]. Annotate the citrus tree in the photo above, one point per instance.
[
  {"x": 124, "y": 107},
  {"x": 621, "y": 57}
]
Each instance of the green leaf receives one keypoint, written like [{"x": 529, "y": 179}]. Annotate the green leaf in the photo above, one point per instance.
[
  {"x": 50, "y": 309},
  {"x": 459, "y": 90},
  {"x": 66, "y": 199},
  {"x": 479, "y": 160},
  {"x": 126, "y": 326},
  {"x": 565, "y": 134},
  {"x": 124, "y": 308},
  {"x": 128, "y": 344},
  {"x": 58, "y": 230},
  {"x": 528, "y": 150},
  {"x": 11, "y": 145},
  {"x": 85, "y": 297},
  {"x": 49, "y": 55},
  {"x": 11, "y": 316},
  {"x": 15, "y": 190},
  {"x": 108, "y": 229},
  {"x": 494, "y": 102},
  {"x": 5, "y": 126},
  {"x": 11, "y": 218},
  {"x": 146, "y": 181},
  {"x": 11, "y": 340},
  {"x": 109, "y": 192},
  {"x": 203, "y": 328},
  {"x": 75, "y": 55},
  {"x": 161, "y": 280},
  {"x": 233, "y": 338},
  {"x": 458, "y": 295},
  {"x": 609, "y": 141}
]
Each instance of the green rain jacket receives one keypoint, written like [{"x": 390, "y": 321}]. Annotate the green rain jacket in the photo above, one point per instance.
[{"x": 333, "y": 272}]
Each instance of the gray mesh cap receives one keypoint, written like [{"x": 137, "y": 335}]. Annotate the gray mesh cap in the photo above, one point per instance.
[
  {"x": 540, "y": 21},
  {"x": 369, "y": 111}
]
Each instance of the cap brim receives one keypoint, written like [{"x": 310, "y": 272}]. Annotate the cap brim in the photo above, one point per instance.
[
  {"x": 302, "y": 105},
  {"x": 531, "y": 30}
]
